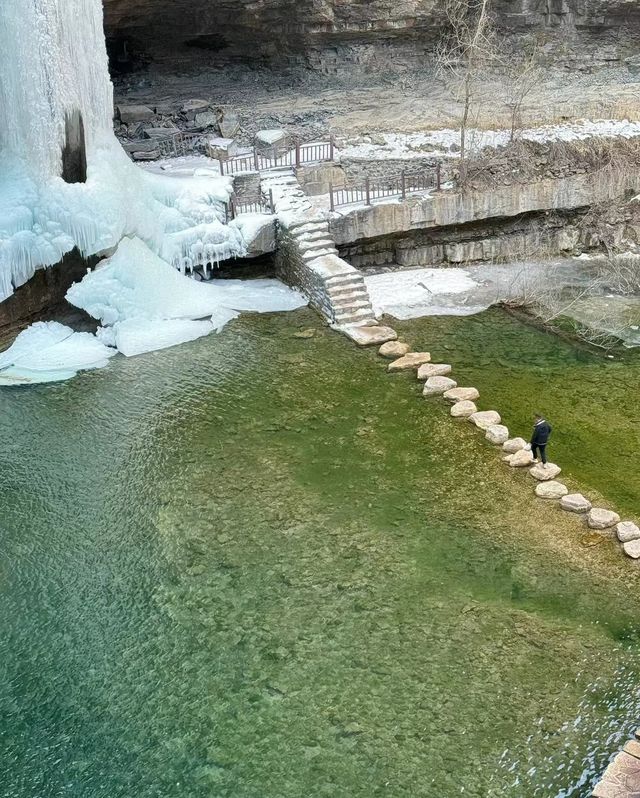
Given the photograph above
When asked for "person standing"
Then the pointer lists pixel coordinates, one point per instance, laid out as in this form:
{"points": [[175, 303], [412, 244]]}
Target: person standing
{"points": [[540, 438]]}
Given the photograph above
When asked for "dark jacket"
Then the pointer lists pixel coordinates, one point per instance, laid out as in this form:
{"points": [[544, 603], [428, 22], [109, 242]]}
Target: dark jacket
{"points": [[541, 433]]}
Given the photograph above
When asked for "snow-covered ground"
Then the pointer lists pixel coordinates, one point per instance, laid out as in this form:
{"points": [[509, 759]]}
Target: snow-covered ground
{"points": [[414, 293], [439, 143]]}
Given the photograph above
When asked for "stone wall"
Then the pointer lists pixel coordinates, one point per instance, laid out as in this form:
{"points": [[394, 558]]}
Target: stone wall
{"points": [[450, 208], [292, 270]]}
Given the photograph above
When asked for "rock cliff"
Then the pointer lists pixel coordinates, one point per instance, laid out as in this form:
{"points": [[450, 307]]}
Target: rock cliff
{"points": [[327, 34]]}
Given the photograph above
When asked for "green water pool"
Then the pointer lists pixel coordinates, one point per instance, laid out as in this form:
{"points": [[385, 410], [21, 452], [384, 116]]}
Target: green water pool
{"points": [[258, 566]]}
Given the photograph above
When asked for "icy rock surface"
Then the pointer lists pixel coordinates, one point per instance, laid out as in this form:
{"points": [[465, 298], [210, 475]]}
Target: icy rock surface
{"points": [[144, 304], [49, 352]]}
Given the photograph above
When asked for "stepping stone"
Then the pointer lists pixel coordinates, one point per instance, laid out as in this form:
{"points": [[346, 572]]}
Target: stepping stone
{"points": [[600, 518], [427, 370], [393, 349], [544, 472], [463, 409], [436, 386], [626, 531], [619, 778], [409, 361], [485, 419], [632, 549], [497, 434], [632, 747], [551, 490], [520, 459], [575, 503], [514, 445], [462, 395], [369, 335]]}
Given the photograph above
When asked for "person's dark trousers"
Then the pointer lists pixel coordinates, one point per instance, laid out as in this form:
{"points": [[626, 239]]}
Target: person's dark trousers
{"points": [[543, 451]]}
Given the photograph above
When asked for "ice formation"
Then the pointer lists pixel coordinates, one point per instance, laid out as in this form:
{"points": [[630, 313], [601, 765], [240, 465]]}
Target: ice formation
{"points": [[53, 65], [48, 352], [53, 62], [145, 304]]}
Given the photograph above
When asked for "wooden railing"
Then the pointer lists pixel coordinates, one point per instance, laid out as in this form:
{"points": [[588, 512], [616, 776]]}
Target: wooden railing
{"points": [[181, 144], [263, 205], [372, 190], [315, 152]]}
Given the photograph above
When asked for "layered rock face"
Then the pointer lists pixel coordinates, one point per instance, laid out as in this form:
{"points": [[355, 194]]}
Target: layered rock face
{"points": [[327, 34]]}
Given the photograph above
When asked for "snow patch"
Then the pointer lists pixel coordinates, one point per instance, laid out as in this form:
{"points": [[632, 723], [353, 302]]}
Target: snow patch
{"points": [[418, 292]]}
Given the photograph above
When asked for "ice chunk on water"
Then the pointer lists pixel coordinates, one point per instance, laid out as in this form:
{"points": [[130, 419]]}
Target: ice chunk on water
{"points": [[137, 336], [49, 351]]}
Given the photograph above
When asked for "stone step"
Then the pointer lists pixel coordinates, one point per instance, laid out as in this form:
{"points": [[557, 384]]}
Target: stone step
{"points": [[348, 317], [355, 292], [322, 233], [313, 246], [351, 307], [339, 281], [309, 224], [309, 257]]}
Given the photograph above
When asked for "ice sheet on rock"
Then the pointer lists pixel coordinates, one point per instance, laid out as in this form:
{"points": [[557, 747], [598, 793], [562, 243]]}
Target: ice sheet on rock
{"points": [[414, 293], [137, 336], [48, 352], [260, 296]]}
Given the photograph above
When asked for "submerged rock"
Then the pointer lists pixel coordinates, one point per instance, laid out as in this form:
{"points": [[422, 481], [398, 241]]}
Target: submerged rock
{"points": [[427, 370], [627, 531], [551, 490], [520, 459], [462, 395], [409, 361], [393, 349], [632, 548], [544, 471], [436, 386], [497, 434], [463, 409], [599, 518], [575, 503], [514, 445], [485, 419]]}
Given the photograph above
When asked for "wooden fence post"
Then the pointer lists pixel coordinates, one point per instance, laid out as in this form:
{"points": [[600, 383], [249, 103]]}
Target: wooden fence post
{"points": [[367, 188], [221, 162], [255, 158], [271, 203], [438, 176], [297, 155], [331, 205], [331, 147], [404, 186]]}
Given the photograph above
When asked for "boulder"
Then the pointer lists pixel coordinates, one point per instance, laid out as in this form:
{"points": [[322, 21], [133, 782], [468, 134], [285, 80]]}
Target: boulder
{"points": [[545, 471], [229, 125], [192, 108], [436, 386], [599, 518], [393, 349], [520, 459], [135, 113], [146, 155], [463, 409], [632, 548], [462, 395], [514, 445], [497, 434], [575, 503], [409, 361], [485, 419], [272, 143], [427, 370], [627, 531], [551, 490], [206, 119]]}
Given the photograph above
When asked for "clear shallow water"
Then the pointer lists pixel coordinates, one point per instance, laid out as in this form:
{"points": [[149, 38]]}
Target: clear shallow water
{"points": [[257, 565]]}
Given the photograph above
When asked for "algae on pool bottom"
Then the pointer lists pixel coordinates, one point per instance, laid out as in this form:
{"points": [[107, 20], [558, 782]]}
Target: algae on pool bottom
{"points": [[258, 565]]}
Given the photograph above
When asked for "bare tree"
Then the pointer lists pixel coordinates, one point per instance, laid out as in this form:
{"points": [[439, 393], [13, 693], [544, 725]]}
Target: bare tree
{"points": [[523, 73], [467, 52]]}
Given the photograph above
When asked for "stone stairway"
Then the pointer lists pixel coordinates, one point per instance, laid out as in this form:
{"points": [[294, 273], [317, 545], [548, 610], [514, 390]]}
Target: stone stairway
{"points": [[308, 257]]}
